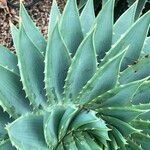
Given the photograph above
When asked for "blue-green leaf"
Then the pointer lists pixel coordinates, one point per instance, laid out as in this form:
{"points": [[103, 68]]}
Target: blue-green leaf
{"points": [[120, 139], [51, 126], [146, 48], [81, 142], [82, 3], [31, 65], [104, 29], [142, 106], [6, 145], [12, 96], [83, 118], [93, 145], [4, 119], [82, 68], [30, 28], [142, 125], [69, 142], [54, 16], [8, 60], [140, 7], [57, 62], [103, 80], [26, 132], [65, 121], [125, 114], [124, 22], [113, 144], [87, 17], [124, 128], [133, 145], [15, 35], [142, 95], [70, 26], [145, 116], [119, 96], [137, 71], [98, 125], [139, 30], [142, 139]]}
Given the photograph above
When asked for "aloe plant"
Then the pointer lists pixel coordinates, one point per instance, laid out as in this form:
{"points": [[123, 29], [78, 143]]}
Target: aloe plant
{"points": [[86, 88]]}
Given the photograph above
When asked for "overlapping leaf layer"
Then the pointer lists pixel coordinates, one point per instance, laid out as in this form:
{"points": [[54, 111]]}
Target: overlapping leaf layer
{"points": [[86, 88]]}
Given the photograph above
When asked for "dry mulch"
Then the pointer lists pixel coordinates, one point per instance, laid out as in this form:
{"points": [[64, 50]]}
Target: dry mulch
{"points": [[39, 13]]}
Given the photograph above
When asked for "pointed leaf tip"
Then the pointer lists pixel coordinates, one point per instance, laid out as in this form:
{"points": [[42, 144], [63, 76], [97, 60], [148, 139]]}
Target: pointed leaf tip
{"points": [[98, 83], [82, 68], [29, 27], [54, 16], [87, 17], [104, 30], [70, 26], [57, 62]]}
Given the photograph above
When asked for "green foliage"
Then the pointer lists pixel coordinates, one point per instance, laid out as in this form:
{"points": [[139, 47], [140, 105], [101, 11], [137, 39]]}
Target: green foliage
{"points": [[120, 5], [86, 88]]}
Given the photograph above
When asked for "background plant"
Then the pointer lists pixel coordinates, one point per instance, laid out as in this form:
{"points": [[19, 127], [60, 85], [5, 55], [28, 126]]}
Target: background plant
{"points": [[87, 87], [120, 6]]}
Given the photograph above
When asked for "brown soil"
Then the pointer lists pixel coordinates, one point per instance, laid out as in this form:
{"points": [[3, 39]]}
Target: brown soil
{"points": [[39, 13]]}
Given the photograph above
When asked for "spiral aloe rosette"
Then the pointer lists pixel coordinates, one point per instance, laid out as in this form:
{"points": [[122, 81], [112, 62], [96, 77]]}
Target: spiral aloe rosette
{"points": [[86, 88]]}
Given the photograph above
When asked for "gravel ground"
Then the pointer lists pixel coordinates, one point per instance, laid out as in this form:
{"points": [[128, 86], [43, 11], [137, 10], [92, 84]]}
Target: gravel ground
{"points": [[39, 13]]}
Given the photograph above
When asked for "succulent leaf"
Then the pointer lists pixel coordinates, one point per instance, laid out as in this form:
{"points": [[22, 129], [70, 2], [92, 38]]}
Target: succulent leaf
{"points": [[97, 85], [30, 28], [87, 17], [4, 119], [142, 140], [127, 39], [145, 116], [122, 126], [51, 126], [125, 114], [57, 62], [11, 63], [133, 145], [12, 96], [82, 68], [93, 144], [104, 30], [31, 65], [142, 95], [146, 48], [137, 71], [6, 145], [81, 142], [140, 6], [142, 125], [70, 26], [15, 35], [120, 140], [70, 142], [54, 16], [142, 106], [124, 23], [119, 96], [65, 121], [32, 138]]}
